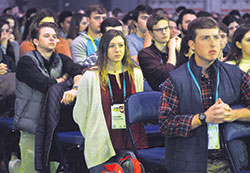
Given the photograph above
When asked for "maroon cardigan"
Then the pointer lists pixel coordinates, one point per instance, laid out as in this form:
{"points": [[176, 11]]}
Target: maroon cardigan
{"points": [[119, 138]]}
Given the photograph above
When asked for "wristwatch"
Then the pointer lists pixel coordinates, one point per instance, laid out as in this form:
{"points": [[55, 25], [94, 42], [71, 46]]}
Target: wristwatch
{"points": [[202, 118], [75, 87]]}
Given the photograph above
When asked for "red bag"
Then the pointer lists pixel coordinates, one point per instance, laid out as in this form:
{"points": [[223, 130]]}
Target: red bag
{"points": [[113, 168], [127, 163], [130, 164]]}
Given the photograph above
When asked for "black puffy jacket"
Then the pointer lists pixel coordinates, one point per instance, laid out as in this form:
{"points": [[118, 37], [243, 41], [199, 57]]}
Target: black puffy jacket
{"points": [[52, 119]]}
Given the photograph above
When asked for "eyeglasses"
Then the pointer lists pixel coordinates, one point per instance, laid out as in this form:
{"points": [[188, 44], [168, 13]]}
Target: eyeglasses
{"points": [[161, 29]]}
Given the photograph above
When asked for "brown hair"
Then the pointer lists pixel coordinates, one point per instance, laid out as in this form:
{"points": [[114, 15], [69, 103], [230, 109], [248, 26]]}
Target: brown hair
{"points": [[155, 18], [102, 61], [200, 23], [95, 8]]}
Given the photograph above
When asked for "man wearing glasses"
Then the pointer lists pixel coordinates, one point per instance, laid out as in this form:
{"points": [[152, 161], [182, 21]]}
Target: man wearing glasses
{"points": [[87, 42], [159, 59]]}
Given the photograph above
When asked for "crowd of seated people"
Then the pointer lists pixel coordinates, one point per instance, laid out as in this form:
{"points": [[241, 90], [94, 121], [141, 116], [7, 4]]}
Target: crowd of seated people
{"points": [[98, 59]]}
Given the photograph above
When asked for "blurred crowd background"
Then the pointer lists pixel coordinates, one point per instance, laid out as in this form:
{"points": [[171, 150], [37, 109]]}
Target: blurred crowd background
{"points": [[222, 7]]}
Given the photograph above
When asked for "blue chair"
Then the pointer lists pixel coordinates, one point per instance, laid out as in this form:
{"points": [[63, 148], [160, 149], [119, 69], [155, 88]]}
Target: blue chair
{"points": [[7, 123], [232, 134], [154, 135], [73, 140], [146, 86], [143, 107]]}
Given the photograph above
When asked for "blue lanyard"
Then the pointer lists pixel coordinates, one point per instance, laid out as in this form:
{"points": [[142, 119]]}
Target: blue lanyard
{"points": [[198, 86], [124, 87], [139, 40], [160, 57]]}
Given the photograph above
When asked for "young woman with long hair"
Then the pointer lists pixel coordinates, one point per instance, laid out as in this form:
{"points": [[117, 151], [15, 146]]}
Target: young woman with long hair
{"points": [[8, 43], [240, 53], [102, 90], [78, 24], [14, 27]]}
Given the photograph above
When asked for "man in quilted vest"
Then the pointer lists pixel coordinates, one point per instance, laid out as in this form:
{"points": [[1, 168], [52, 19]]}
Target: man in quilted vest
{"points": [[196, 98], [36, 72]]}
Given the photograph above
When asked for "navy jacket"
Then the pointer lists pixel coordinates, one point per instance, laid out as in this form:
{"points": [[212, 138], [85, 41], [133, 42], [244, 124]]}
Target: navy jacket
{"points": [[189, 154]]}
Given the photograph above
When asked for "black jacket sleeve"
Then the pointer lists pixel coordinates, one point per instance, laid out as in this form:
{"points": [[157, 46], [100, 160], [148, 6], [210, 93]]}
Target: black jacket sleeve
{"points": [[70, 67], [28, 72]]}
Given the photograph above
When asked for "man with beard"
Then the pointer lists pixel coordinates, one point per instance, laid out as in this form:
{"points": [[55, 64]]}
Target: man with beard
{"points": [[186, 17]]}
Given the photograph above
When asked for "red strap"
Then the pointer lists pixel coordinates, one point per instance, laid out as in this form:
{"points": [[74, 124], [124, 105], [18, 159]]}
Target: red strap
{"points": [[137, 165], [113, 168], [135, 162], [125, 158]]}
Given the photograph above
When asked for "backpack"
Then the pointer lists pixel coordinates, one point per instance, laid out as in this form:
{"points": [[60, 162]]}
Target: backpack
{"points": [[126, 163], [130, 164], [112, 168]]}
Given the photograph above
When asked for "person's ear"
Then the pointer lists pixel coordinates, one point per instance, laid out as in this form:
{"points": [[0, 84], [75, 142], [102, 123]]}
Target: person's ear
{"points": [[35, 42], [238, 44], [191, 44]]}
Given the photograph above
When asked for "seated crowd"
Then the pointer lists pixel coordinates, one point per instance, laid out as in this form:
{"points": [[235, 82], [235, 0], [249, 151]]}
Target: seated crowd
{"points": [[199, 61]]}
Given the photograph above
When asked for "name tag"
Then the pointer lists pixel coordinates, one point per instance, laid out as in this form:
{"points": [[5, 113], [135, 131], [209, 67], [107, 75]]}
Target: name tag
{"points": [[213, 136], [118, 116]]}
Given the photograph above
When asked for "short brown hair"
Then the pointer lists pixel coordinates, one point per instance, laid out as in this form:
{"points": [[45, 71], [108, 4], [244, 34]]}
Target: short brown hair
{"points": [[200, 23], [155, 18], [95, 8], [36, 30]]}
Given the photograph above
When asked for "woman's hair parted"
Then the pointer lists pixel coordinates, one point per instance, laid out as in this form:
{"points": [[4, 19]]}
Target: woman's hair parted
{"points": [[103, 58]]}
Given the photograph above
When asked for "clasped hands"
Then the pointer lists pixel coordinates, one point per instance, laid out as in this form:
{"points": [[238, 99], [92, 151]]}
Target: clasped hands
{"points": [[219, 112]]}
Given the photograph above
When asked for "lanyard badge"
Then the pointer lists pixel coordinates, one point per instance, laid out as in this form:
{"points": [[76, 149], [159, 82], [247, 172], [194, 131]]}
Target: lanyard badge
{"points": [[212, 129], [118, 116], [117, 110], [213, 136]]}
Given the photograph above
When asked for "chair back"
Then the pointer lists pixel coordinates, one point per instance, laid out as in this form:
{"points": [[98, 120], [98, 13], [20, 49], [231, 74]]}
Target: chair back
{"points": [[142, 106], [235, 148], [237, 129], [146, 86]]}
